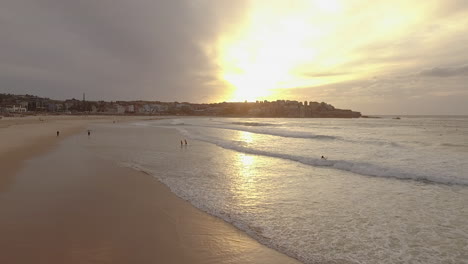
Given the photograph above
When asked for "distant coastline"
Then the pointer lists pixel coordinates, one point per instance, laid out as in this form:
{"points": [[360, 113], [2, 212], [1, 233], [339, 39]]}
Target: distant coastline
{"points": [[11, 104]]}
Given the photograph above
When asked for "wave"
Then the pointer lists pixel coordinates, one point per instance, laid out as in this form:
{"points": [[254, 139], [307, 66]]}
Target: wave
{"points": [[257, 128], [279, 133], [303, 135], [453, 145], [362, 168], [253, 231], [177, 122], [252, 124], [253, 127]]}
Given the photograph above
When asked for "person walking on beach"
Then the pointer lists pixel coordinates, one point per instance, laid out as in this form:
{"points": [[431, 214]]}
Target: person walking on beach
{"points": [[181, 143], [89, 133], [58, 133], [185, 142]]}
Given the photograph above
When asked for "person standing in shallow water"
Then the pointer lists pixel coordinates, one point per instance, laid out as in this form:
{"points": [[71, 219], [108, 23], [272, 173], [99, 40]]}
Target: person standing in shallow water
{"points": [[58, 133]]}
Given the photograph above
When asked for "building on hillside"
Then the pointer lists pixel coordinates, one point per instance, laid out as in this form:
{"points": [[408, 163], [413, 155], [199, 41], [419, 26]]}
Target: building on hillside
{"points": [[24, 104], [120, 109], [130, 109], [16, 109]]}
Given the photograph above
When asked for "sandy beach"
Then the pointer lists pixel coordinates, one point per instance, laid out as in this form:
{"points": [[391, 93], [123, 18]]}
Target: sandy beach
{"points": [[62, 205], [26, 137]]}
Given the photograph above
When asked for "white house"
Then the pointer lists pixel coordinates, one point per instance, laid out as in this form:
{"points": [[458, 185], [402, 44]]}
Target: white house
{"points": [[16, 109], [130, 108], [120, 109]]}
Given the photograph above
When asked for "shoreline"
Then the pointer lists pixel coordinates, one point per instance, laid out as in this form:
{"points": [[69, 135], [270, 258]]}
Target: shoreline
{"points": [[27, 137], [87, 209]]}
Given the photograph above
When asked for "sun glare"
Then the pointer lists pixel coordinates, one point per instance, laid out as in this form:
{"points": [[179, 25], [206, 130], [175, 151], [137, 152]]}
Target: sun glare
{"points": [[276, 39], [303, 43]]}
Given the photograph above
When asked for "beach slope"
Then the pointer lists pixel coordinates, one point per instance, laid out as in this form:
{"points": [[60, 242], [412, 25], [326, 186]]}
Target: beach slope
{"points": [[68, 206]]}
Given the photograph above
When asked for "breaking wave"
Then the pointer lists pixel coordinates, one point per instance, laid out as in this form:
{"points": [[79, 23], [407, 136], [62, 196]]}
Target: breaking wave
{"points": [[362, 168], [252, 124], [275, 132]]}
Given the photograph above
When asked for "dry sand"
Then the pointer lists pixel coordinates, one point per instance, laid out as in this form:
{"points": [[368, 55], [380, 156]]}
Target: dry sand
{"points": [[67, 206]]}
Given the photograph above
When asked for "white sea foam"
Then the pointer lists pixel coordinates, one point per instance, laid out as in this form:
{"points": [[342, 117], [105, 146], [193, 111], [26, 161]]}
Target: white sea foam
{"points": [[286, 134], [363, 168], [275, 132], [253, 124], [281, 193], [177, 122], [272, 130]]}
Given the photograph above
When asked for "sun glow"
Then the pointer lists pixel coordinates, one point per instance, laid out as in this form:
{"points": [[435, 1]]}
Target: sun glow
{"points": [[276, 40], [305, 43]]}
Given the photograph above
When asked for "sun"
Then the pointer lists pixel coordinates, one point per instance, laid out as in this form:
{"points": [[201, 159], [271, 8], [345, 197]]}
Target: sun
{"points": [[265, 53], [262, 61], [280, 46], [250, 86]]}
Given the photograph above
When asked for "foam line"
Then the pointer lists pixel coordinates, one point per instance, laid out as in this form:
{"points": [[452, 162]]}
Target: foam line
{"points": [[361, 168]]}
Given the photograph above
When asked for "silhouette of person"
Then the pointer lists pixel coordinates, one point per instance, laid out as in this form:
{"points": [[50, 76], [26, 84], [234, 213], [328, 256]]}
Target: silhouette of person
{"points": [[89, 133], [181, 143], [185, 141], [58, 133]]}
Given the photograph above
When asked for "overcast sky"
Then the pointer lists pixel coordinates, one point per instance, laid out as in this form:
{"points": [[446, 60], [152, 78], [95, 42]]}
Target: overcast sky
{"points": [[377, 57]]}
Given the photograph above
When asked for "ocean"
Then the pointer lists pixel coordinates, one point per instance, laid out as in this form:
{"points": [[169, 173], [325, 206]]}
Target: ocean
{"points": [[389, 190]]}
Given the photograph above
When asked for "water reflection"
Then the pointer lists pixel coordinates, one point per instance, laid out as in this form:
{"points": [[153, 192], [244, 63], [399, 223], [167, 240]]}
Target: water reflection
{"points": [[246, 137], [246, 185], [247, 162]]}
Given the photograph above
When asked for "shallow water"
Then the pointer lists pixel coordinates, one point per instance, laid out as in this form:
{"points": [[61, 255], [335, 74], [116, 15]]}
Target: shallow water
{"points": [[391, 191]]}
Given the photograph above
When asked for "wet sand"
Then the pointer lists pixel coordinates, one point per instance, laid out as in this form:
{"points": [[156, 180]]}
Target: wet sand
{"points": [[68, 206]]}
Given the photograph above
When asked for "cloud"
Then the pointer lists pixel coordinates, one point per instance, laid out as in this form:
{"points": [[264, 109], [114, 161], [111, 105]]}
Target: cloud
{"points": [[446, 71], [322, 74], [111, 49], [408, 93], [167, 49]]}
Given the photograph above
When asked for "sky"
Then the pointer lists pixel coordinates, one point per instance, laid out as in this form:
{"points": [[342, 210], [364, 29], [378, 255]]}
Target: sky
{"points": [[376, 57]]}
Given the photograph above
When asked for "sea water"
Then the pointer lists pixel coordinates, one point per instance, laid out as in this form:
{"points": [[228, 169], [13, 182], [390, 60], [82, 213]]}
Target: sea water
{"points": [[389, 190]]}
